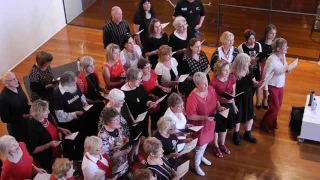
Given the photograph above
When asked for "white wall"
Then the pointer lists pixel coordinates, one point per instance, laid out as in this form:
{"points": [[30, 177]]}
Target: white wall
{"points": [[75, 7], [24, 26]]}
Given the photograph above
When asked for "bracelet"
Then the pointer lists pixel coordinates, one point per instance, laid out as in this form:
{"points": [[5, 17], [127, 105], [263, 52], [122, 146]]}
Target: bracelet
{"points": [[46, 146]]}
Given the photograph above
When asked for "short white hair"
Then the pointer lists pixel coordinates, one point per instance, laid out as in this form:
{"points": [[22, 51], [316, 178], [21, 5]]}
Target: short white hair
{"points": [[92, 143], [178, 21], [165, 124], [85, 62], [115, 8], [198, 76], [116, 95]]}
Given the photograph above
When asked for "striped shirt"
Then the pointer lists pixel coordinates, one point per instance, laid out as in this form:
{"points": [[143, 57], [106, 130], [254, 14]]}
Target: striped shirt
{"points": [[162, 172], [112, 32]]}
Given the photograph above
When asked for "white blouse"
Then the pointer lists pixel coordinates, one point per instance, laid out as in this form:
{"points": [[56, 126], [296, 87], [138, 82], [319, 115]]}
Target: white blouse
{"points": [[223, 56], [273, 63], [180, 123], [133, 63], [164, 72], [90, 169]]}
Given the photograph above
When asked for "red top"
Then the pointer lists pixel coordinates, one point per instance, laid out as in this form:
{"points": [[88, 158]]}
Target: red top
{"points": [[197, 105], [115, 71], [221, 87], [54, 135], [82, 81], [54, 178], [20, 170], [151, 83]]}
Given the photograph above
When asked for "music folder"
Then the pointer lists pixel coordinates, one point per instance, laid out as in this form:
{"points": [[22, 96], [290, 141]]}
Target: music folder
{"points": [[229, 96], [131, 142]]}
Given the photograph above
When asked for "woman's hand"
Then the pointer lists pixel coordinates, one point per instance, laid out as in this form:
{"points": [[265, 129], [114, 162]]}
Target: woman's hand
{"points": [[254, 59], [189, 125], [208, 118], [174, 155], [166, 90], [258, 84], [187, 140], [50, 86], [54, 144], [65, 131], [221, 108], [155, 51], [235, 108], [152, 105], [126, 151], [174, 83], [39, 170]]}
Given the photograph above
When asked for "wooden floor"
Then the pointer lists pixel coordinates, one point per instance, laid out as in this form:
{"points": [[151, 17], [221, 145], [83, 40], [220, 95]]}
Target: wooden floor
{"points": [[295, 28], [276, 156]]}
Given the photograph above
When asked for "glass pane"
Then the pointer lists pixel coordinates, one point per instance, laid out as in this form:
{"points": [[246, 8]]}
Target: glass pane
{"points": [[305, 6], [250, 3], [237, 20], [87, 13], [303, 41]]}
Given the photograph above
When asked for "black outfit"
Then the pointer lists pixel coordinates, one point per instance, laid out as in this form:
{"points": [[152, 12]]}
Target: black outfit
{"points": [[113, 32], [12, 107], [163, 172], [191, 11], [215, 56], [266, 51], [137, 102], [190, 66], [69, 103], [154, 44], [93, 93], [144, 23], [222, 124], [38, 80], [38, 135], [177, 44], [244, 102], [169, 146], [252, 52]]}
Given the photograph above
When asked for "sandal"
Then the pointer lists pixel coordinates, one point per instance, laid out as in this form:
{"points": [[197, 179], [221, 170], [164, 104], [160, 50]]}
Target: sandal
{"points": [[218, 152], [224, 149], [139, 159]]}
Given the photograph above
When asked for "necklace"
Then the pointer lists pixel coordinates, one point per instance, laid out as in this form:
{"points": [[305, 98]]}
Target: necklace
{"points": [[226, 54], [88, 79], [45, 123]]}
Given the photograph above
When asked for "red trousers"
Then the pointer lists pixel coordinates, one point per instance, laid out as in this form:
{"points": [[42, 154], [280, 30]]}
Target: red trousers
{"points": [[269, 120]]}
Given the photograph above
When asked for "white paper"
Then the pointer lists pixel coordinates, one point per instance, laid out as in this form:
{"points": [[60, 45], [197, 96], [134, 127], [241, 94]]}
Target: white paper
{"points": [[180, 147], [139, 32], [202, 41], [183, 77], [207, 71], [293, 65], [266, 80], [72, 136], [182, 137], [189, 146], [163, 25], [195, 128], [44, 176], [173, 53], [58, 78], [87, 107], [161, 99], [224, 113], [122, 167], [137, 136], [183, 169], [141, 117]]}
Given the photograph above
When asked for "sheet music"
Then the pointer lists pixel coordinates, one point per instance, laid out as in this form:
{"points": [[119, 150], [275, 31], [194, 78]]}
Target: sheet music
{"points": [[163, 25], [183, 169], [43, 176], [183, 77], [141, 117], [202, 42], [161, 99], [137, 136], [189, 146], [72, 136], [173, 53], [137, 33], [87, 107], [266, 80], [224, 113], [180, 147], [207, 71], [293, 65], [195, 128]]}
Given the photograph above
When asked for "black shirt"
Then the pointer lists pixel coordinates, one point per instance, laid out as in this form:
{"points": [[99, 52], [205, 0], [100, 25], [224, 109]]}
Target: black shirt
{"points": [[154, 44], [169, 145], [93, 92], [266, 51], [113, 32], [144, 24], [68, 102], [191, 11]]}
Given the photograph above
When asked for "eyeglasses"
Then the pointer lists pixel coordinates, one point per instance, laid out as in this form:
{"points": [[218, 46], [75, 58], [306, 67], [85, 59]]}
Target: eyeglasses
{"points": [[14, 79], [184, 25]]}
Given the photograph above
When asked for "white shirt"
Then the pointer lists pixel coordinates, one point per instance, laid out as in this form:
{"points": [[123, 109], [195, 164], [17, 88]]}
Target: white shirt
{"points": [[273, 63], [164, 72], [133, 63], [180, 123], [90, 169], [223, 56]]}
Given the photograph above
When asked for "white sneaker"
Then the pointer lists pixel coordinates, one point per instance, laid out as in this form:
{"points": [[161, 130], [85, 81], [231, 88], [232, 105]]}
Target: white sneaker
{"points": [[205, 161], [199, 171]]}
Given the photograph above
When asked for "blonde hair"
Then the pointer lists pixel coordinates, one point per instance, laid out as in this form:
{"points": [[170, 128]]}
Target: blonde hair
{"points": [[116, 95], [109, 50], [5, 142], [178, 21], [226, 36], [142, 174], [278, 43], [152, 145], [165, 124], [164, 50], [37, 108], [85, 61], [61, 167], [241, 60], [92, 143], [218, 66], [198, 76]]}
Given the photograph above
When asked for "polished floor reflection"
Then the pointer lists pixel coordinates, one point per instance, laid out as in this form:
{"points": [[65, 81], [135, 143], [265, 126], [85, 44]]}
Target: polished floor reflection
{"points": [[277, 156]]}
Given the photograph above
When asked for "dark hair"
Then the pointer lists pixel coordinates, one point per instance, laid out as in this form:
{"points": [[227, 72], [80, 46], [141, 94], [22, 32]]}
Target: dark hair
{"points": [[142, 63], [43, 57], [142, 12], [108, 114], [191, 42], [248, 33], [124, 40], [269, 28]]}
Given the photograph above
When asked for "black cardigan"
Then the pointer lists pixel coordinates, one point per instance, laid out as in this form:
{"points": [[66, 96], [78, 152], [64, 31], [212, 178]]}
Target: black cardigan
{"points": [[38, 135]]}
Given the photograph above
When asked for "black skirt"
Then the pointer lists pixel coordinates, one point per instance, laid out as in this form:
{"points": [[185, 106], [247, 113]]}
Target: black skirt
{"points": [[244, 104]]}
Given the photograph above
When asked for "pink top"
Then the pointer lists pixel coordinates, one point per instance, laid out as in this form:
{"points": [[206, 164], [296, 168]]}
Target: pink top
{"points": [[197, 105], [151, 83], [221, 87], [115, 71]]}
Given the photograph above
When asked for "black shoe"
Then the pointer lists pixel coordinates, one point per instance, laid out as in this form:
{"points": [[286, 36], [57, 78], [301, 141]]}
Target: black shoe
{"points": [[236, 138], [247, 136], [76, 174], [265, 107], [258, 106]]}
